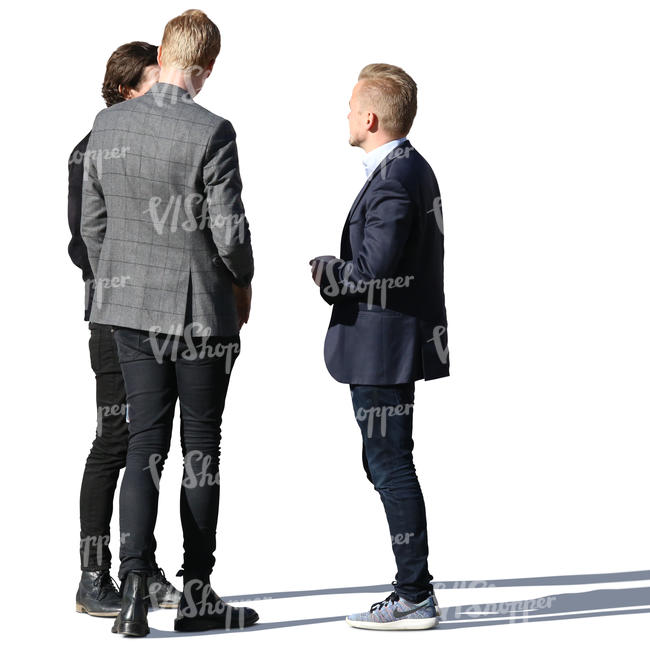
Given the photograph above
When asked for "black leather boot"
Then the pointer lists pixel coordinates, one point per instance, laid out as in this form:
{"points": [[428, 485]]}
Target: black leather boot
{"points": [[201, 609], [162, 593], [97, 594], [132, 619]]}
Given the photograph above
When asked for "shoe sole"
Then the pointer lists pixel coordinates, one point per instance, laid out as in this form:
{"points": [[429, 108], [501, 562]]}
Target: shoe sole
{"points": [[131, 629], [192, 625], [405, 624], [165, 606], [82, 610]]}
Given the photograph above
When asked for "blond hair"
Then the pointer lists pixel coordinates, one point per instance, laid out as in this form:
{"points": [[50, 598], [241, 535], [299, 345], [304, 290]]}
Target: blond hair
{"points": [[190, 40], [392, 94]]}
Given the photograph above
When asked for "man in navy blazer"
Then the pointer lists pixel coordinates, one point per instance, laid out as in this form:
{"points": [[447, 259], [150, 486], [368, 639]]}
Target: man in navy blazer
{"points": [[389, 324]]}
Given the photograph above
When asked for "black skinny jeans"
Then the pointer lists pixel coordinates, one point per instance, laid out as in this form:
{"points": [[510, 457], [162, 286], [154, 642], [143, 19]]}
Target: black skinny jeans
{"points": [[157, 370], [107, 455]]}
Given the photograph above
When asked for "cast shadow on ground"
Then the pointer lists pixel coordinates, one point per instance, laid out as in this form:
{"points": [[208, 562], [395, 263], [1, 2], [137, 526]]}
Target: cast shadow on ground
{"points": [[549, 607]]}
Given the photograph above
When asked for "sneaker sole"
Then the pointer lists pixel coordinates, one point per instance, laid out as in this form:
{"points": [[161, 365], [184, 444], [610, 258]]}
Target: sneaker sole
{"points": [[405, 624], [82, 610]]}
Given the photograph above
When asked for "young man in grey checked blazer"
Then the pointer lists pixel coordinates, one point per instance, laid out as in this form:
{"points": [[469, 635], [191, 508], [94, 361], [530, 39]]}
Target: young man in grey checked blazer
{"points": [[170, 250]]}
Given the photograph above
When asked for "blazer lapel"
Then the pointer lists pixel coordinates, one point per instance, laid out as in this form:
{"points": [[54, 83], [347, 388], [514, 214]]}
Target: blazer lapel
{"points": [[360, 196], [345, 235]]}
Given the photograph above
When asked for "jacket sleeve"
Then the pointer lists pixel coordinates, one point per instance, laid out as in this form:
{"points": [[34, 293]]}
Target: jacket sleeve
{"points": [[388, 220], [225, 210], [93, 207], [76, 247]]}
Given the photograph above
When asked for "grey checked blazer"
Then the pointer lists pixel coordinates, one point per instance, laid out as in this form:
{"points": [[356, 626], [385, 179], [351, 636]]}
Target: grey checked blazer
{"points": [[162, 216]]}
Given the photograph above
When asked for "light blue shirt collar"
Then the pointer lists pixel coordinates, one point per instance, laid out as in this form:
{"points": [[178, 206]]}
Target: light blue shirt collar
{"points": [[373, 158]]}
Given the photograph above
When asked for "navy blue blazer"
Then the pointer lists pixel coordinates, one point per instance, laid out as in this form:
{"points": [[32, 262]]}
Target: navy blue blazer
{"points": [[389, 322]]}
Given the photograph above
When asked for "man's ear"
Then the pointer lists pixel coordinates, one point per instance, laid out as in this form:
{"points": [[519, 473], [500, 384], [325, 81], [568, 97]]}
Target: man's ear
{"points": [[158, 57], [372, 122], [125, 92]]}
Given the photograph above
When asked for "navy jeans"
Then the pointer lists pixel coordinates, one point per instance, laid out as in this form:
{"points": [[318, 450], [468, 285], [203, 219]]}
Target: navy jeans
{"points": [[385, 417], [157, 371]]}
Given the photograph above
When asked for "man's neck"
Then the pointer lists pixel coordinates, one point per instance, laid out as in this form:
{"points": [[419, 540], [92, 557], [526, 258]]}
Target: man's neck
{"points": [[176, 77], [376, 142]]}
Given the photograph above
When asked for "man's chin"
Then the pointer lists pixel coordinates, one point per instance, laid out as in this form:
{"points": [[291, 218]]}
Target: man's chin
{"points": [[353, 143]]}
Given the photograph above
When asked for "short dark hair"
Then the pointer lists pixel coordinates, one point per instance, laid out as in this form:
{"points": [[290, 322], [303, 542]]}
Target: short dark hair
{"points": [[125, 67]]}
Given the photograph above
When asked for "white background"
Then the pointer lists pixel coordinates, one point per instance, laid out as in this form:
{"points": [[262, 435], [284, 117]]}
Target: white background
{"points": [[532, 456]]}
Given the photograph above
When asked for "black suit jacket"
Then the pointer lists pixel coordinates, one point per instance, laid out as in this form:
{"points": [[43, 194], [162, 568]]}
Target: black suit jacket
{"points": [[77, 248], [389, 322]]}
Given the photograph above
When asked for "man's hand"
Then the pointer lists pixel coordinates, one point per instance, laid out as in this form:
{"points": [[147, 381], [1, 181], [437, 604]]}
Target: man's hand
{"points": [[318, 266], [243, 296]]}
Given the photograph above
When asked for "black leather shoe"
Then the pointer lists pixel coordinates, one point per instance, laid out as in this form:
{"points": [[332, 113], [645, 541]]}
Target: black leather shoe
{"points": [[132, 619], [98, 595], [202, 609], [162, 593]]}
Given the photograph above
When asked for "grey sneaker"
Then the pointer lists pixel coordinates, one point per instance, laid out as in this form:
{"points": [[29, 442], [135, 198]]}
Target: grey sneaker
{"points": [[395, 613]]}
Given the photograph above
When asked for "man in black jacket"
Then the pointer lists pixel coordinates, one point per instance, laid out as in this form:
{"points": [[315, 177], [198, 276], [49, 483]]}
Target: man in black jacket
{"points": [[389, 324], [131, 70]]}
